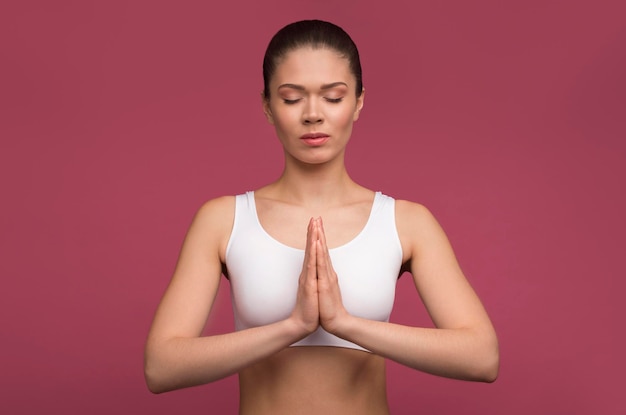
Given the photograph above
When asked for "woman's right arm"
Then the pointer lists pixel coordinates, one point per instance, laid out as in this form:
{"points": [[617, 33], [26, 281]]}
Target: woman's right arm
{"points": [[175, 355]]}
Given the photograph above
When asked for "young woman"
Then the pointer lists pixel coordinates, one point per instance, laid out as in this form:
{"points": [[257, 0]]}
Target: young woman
{"points": [[312, 260]]}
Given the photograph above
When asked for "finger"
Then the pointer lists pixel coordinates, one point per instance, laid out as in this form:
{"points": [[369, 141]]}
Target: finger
{"points": [[324, 247], [323, 265], [322, 235], [310, 254], [320, 257]]}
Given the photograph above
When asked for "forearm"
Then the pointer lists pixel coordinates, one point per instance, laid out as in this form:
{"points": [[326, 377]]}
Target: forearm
{"points": [[179, 362], [463, 353]]}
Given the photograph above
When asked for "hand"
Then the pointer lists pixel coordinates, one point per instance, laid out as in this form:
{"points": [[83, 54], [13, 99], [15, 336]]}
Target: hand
{"points": [[306, 311], [331, 307]]}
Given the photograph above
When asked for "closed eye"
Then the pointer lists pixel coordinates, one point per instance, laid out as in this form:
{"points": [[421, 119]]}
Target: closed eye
{"points": [[334, 100], [290, 101]]}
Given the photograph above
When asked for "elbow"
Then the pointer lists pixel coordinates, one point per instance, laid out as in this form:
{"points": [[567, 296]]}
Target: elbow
{"points": [[158, 383], [482, 362], [154, 381], [154, 384], [489, 372], [489, 366], [155, 376]]}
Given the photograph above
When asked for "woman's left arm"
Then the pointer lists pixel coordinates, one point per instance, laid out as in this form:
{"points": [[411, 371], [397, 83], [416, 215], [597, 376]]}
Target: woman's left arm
{"points": [[463, 345]]}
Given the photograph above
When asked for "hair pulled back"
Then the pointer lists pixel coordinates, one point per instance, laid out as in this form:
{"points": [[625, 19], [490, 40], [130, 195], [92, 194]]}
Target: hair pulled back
{"points": [[310, 33]]}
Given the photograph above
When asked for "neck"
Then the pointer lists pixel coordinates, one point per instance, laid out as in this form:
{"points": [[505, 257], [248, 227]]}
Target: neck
{"points": [[314, 185]]}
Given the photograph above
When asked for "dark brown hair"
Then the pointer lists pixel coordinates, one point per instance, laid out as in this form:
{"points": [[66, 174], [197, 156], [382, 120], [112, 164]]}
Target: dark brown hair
{"points": [[312, 33]]}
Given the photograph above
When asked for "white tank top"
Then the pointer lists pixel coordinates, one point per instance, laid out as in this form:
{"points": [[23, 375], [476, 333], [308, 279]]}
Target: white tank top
{"points": [[264, 273]]}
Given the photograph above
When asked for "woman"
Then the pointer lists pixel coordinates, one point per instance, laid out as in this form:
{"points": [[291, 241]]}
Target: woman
{"points": [[312, 302]]}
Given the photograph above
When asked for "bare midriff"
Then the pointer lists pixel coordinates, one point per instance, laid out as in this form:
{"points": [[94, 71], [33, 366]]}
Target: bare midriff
{"points": [[313, 380]]}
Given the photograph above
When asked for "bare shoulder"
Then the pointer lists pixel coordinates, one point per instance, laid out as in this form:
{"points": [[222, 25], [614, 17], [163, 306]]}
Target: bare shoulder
{"points": [[417, 227], [217, 208], [410, 214], [214, 219]]}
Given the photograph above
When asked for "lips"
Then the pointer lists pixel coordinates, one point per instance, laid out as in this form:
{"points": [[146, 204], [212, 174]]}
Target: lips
{"points": [[314, 135], [315, 139]]}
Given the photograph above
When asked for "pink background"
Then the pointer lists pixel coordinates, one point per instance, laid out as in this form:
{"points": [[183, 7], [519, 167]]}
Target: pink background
{"points": [[119, 118]]}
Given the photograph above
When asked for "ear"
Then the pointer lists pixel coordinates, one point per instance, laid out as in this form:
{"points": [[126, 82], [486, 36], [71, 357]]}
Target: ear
{"points": [[266, 108], [359, 105]]}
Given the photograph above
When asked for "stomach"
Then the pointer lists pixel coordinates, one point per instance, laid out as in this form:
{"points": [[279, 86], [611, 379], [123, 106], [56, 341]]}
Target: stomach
{"points": [[315, 380]]}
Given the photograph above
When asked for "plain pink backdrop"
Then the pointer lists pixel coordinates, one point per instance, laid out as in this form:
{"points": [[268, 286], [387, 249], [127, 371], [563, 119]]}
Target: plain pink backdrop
{"points": [[119, 118]]}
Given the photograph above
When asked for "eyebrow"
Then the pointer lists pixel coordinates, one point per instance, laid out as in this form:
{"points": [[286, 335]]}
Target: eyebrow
{"points": [[323, 87]]}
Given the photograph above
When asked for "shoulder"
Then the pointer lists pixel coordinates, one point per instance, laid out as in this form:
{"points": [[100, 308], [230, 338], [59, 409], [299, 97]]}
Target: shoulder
{"points": [[217, 208], [410, 214], [216, 213], [417, 226], [214, 220]]}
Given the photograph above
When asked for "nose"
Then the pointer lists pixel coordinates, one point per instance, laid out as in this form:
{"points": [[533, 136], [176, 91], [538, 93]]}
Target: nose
{"points": [[312, 113]]}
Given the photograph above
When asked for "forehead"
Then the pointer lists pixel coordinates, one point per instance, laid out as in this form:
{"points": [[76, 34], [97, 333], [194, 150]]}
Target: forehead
{"points": [[304, 66]]}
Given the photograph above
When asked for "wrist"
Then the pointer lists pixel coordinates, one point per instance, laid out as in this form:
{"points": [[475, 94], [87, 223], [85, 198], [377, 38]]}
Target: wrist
{"points": [[340, 324], [299, 329]]}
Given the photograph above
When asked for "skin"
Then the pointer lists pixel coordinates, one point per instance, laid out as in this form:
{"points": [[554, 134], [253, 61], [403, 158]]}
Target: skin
{"points": [[313, 91]]}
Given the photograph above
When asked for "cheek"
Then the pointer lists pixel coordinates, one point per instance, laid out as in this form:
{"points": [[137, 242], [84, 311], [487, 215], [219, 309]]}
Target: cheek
{"points": [[344, 118], [280, 125], [284, 127], [282, 119]]}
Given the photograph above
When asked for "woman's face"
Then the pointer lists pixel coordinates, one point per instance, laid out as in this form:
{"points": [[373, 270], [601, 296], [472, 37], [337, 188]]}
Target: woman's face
{"points": [[313, 105]]}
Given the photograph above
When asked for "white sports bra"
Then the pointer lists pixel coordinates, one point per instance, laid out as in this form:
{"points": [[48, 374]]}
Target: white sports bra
{"points": [[264, 273]]}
